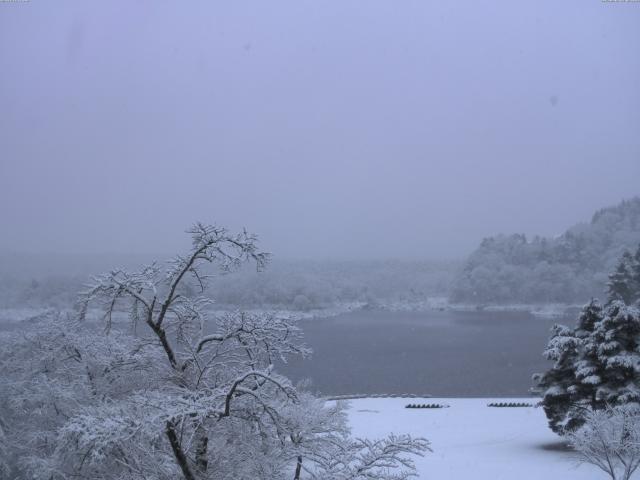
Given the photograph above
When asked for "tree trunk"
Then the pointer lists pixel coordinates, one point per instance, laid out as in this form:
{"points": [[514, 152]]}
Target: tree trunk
{"points": [[181, 458], [162, 336], [298, 469], [202, 443]]}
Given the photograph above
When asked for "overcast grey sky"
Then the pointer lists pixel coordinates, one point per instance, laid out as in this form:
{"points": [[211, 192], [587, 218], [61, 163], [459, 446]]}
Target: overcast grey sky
{"points": [[331, 128]]}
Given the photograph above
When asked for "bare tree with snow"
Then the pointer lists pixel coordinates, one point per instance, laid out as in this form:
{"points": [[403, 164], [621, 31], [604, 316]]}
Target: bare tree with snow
{"points": [[324, 449], [610, 440], [190, 394]]}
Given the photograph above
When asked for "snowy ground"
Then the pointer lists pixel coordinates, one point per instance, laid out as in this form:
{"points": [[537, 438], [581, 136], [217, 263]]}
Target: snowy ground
{"points": [[471, 441]]}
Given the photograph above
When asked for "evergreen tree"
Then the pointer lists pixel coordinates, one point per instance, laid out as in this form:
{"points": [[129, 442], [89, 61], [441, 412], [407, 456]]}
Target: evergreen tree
{"points": [[596, 363], [620, 286], [556, 384], [588, 369], [635, 274], [570, 385], [616, 341]]}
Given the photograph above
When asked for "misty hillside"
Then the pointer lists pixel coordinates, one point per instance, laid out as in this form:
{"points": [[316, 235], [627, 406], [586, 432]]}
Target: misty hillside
{"points": [[570, 268]]}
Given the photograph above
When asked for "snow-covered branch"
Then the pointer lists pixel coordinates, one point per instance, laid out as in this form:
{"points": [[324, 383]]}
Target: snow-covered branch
{"points": [[610, 440]]}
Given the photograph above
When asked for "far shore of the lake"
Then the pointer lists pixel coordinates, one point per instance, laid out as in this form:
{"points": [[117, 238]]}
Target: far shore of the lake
{"points": [[550, 310]]}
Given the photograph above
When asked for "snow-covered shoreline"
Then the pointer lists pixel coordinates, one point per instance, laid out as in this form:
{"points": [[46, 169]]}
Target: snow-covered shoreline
{"points": [[554, 310], [12, 315]]}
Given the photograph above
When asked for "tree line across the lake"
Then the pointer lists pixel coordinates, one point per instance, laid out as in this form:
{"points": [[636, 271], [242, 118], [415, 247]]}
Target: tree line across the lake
{"points": [[301, 285], [505, 269]]}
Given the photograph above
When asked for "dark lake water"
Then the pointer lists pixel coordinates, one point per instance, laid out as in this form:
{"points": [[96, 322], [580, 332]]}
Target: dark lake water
{"points": [[441, 353]]}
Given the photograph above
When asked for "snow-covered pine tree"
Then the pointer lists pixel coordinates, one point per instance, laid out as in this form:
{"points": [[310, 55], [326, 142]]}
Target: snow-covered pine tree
{"points": [[616, 343], [597, 363], [557, 384], [621, 282], [570, 385], [589, 371], [635, 275]]}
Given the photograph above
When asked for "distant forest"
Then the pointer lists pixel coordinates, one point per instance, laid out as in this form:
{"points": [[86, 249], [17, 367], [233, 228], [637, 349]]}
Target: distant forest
{"points": [[570, 268], [295, 285], [505, 269]]}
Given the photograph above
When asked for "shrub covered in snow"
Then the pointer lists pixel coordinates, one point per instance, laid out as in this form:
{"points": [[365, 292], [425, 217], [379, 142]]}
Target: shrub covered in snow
{"points": [[610, 440]]}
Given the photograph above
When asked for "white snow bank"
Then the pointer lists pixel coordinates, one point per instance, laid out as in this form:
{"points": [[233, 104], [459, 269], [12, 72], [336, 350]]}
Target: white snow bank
{"points": [[471, 441]]}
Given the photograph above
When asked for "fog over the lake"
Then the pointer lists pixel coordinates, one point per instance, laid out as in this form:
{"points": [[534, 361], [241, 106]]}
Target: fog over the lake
{"points": [[332, 129]]}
